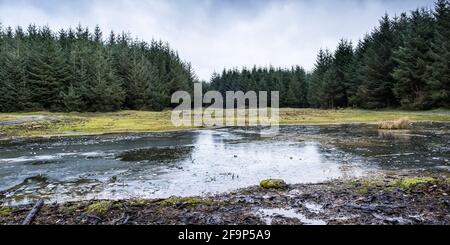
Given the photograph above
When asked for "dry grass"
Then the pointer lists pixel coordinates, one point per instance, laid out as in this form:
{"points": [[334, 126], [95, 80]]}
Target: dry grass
{"points": [[403, 123]]}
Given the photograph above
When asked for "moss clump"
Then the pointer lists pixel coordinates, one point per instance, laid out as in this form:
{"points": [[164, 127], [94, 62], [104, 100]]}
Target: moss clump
{"points": [[407, 183], [5, 211], [189, 201], [99, 208], [273, 184]]}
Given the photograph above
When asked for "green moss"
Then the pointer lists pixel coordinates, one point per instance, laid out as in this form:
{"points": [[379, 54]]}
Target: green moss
{"points": [[367, 185], [273, 184], [100, 207], [407, 183], [5, 211], [138, 202], [190, 201], [7, 118], [72, 207], [364, 186]]}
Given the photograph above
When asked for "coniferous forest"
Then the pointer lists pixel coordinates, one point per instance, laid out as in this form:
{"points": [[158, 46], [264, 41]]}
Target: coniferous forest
{"points": [[76, 70], [404, 62]]}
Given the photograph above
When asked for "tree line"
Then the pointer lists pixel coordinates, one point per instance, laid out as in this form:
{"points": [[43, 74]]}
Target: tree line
{"points": [[404, 62], [79, 70], [291, 83]]}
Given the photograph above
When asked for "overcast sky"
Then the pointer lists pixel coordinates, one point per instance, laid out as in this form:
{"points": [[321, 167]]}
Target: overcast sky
{"points": [[213, 34]]}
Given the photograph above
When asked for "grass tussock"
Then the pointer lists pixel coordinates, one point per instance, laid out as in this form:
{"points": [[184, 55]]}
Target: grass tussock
{"points": [[403, 123], [273, 184], [98, 208]]}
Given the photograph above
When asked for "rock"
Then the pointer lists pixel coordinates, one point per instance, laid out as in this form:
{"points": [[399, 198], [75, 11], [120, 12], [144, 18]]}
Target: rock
{"points": [[113, 179], [273, 184], [268, 197], [294, 193]]}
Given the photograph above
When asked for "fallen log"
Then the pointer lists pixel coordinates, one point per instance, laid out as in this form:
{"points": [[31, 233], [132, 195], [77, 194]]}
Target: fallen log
{"points": [[34, 211]]}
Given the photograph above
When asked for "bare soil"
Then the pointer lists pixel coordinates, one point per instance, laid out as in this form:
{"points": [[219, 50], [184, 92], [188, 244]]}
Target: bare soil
{"points": [[391, 200]]}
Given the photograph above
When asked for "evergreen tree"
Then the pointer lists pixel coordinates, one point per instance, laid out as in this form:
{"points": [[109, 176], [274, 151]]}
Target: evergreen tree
{"points": [[337, 78], [439, 69], [413, 57], [377, 66], [72, 100], [7, 83], [316, 83], [141, 80], [47, 72], [106, 87], [356, 76]]}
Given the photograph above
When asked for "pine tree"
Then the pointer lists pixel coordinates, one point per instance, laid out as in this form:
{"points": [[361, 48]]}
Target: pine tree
{"points": [[439, 70], [72, 100], [47, 73], [376, 90], [141, 79], [316, 83], [337, 77], [106, 87], [413, 57], [355, 76], [7, 83]]}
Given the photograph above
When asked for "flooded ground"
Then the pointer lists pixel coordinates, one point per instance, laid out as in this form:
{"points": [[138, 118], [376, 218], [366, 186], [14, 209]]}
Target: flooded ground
{"points": [[209, 161]]}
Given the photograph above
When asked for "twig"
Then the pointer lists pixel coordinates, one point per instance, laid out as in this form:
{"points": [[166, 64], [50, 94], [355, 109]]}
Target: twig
{"points": [[32, 214]]}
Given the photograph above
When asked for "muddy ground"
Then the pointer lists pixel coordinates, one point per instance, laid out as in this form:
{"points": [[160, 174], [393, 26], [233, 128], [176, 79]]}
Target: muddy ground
{"points": [[19, 120], [387, 200]]}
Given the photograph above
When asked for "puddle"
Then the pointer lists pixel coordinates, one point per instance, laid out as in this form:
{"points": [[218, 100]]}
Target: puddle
{"points": [[159, 165], [269, 214], [313, 207]]}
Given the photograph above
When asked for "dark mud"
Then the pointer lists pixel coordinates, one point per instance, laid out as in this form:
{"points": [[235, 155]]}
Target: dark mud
{"points": [[387, 200]]}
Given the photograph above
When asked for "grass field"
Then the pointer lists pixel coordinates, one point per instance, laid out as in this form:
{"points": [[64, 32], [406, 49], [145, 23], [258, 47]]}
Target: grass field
{"points": [[139, 121]]}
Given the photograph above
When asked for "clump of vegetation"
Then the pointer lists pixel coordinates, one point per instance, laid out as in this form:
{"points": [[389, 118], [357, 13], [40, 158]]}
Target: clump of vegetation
{"points": [[189, 201], [99, 208], [72, 207], [365, 186], [138, 202], [5, 211], [403, 123], [407, 183], [7, 118], [156, 154], [273, 184]]}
